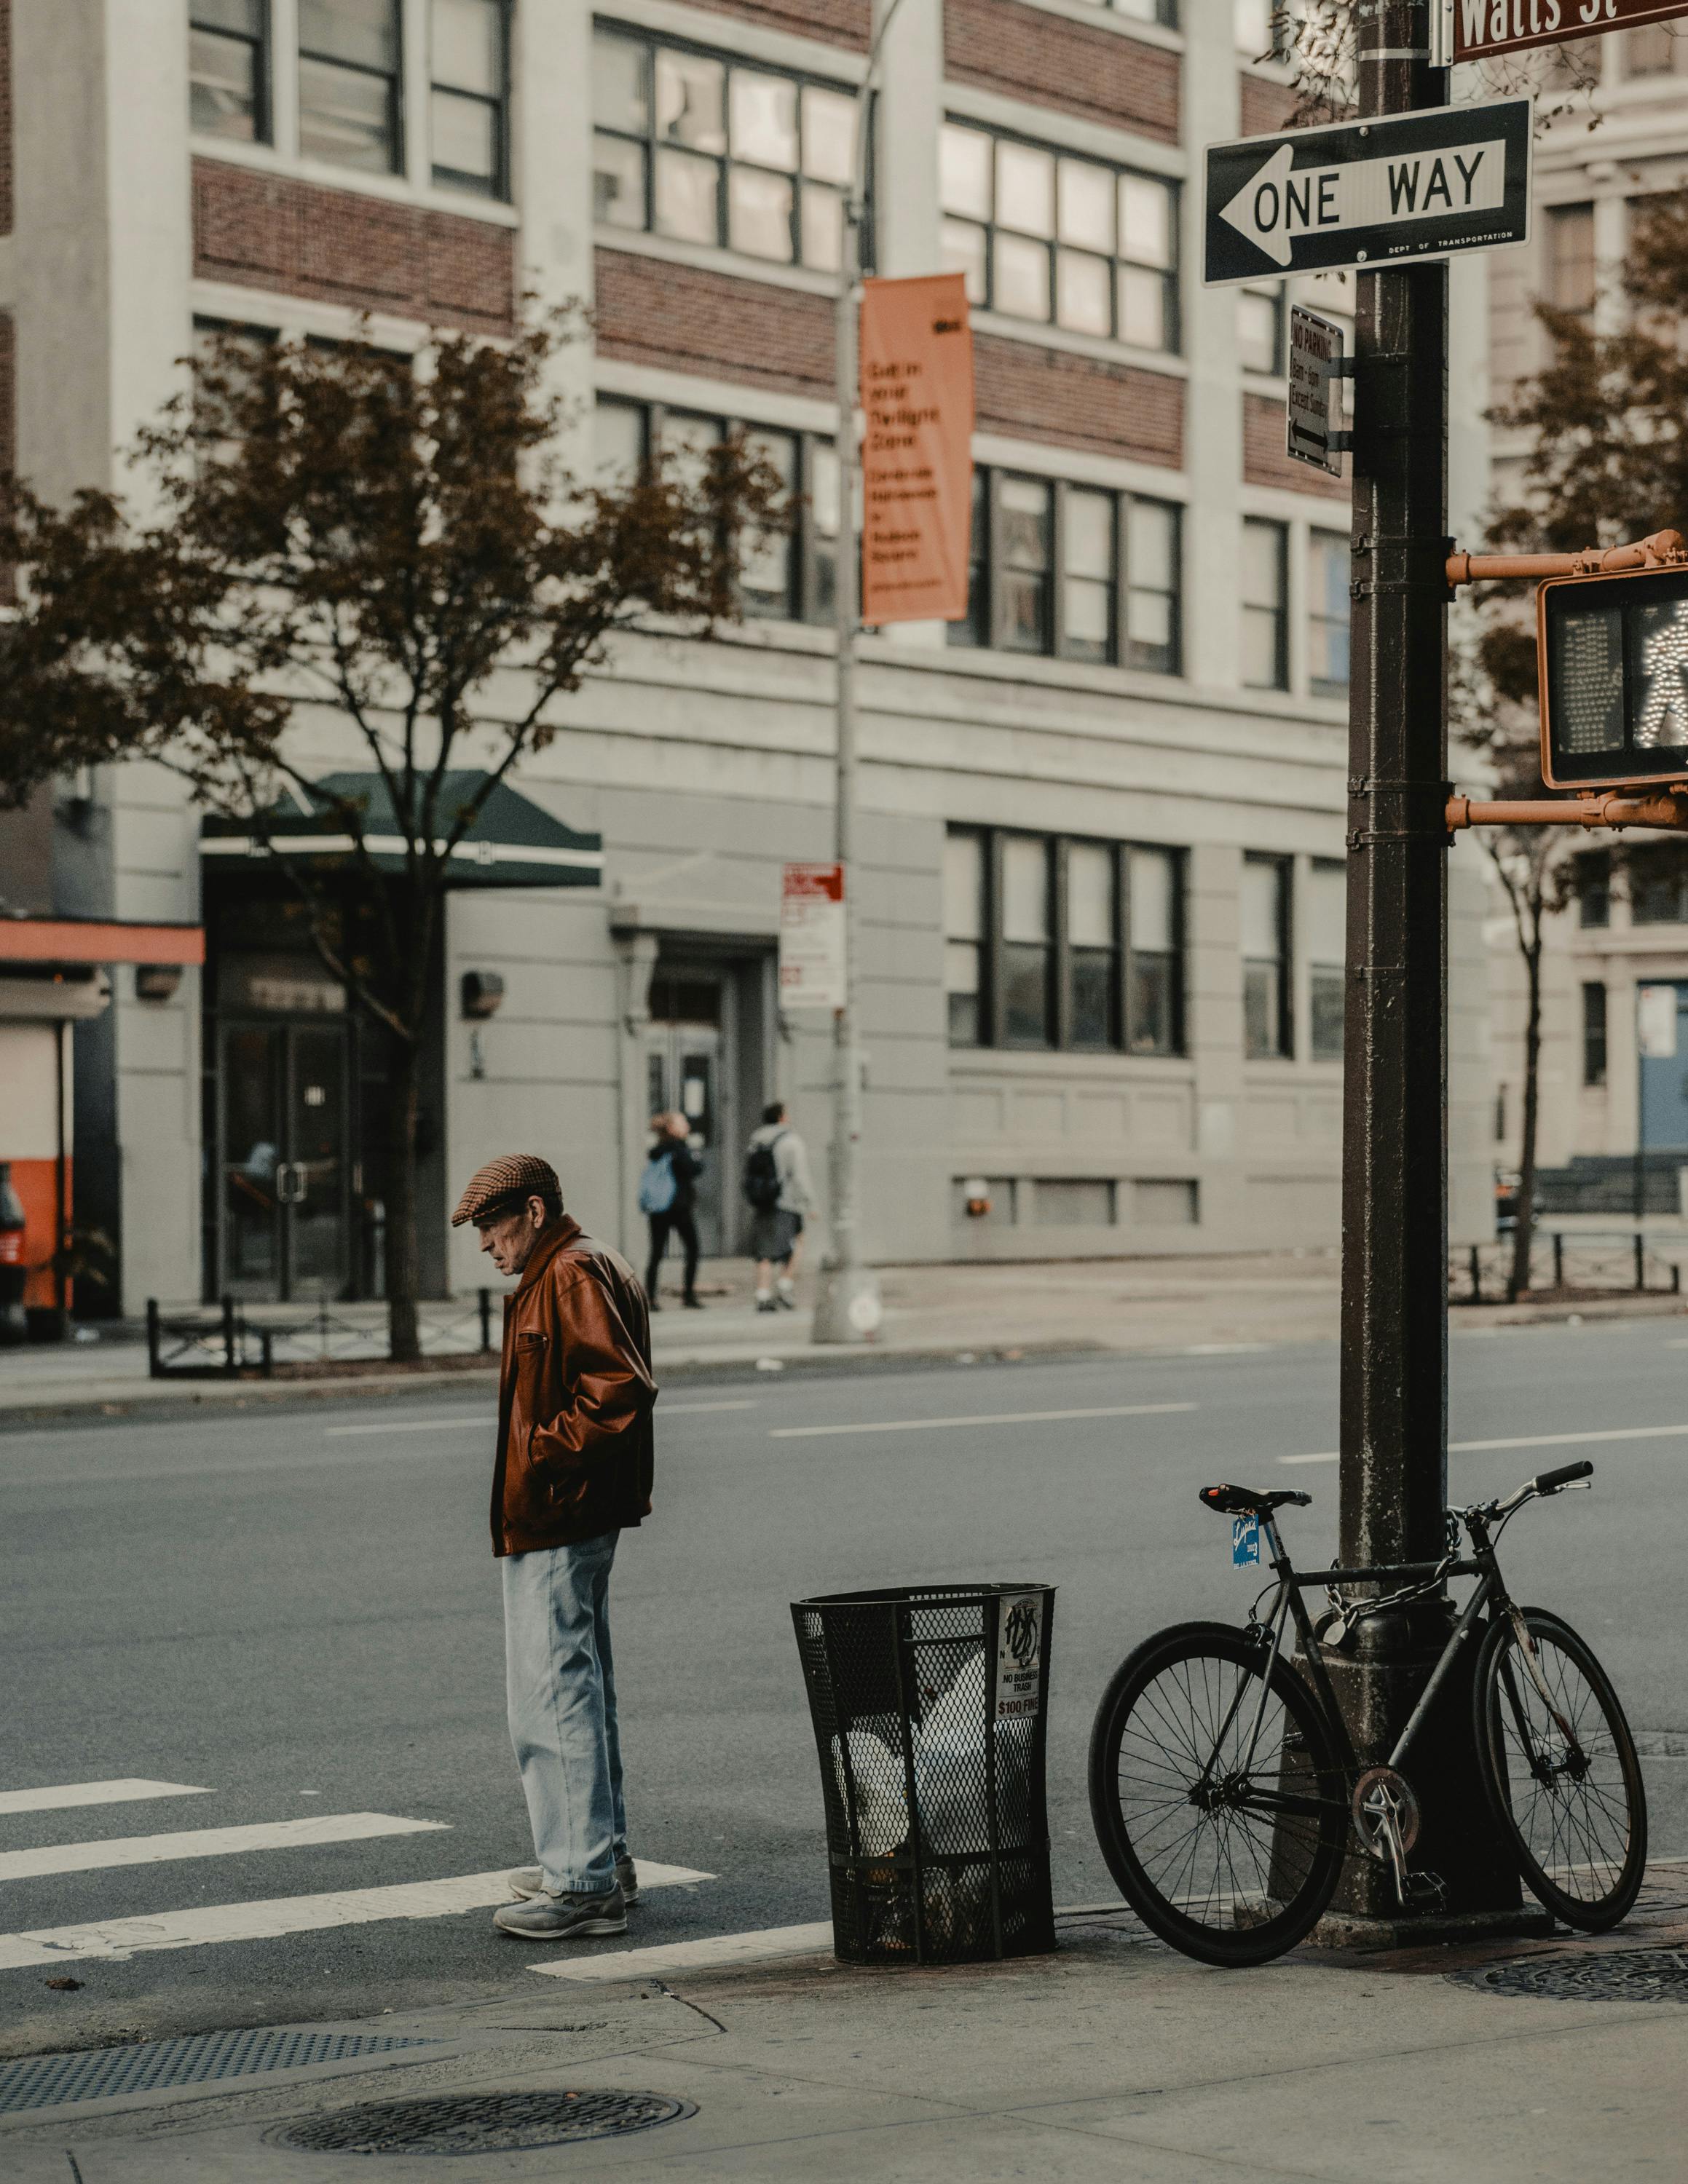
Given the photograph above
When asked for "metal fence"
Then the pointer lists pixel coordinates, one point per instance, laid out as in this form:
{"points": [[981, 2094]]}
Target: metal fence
{"points": [[1568, 1261], [225, 1342]]}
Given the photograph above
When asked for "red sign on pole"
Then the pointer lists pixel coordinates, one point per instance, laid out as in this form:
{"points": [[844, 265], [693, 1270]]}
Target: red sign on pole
{"points": [[1483, 30], [917, 460]]}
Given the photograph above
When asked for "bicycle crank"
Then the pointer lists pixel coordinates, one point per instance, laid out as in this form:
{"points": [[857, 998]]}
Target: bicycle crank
{"points": [[1387, 1820]]}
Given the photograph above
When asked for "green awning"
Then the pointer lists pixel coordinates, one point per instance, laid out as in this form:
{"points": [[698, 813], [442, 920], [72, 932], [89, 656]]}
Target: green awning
{"points": [[513, 843]]}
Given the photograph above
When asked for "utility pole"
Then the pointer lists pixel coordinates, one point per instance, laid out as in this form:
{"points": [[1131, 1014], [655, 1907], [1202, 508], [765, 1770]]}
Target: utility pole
{"points": [[1394, 1327], [847, 1307]]}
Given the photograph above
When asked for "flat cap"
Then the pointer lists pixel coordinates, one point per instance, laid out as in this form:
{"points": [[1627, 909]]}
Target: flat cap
{"points": [[504, 1184]]}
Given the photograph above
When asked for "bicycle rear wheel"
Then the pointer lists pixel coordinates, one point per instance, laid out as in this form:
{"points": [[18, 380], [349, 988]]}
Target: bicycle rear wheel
{"points": [[1573, 1805], [1231, 1863]]}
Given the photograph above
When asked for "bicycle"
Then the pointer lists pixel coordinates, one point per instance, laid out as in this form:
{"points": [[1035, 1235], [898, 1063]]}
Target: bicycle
{"points": [[1223, 1779]]}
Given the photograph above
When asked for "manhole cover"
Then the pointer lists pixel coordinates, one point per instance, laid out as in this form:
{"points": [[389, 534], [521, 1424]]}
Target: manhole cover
{"points": [[482, 2123], [1615, 1975]]}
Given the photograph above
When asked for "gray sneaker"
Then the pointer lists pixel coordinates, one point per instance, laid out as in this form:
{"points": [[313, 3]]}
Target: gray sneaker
{"points": [[548, 1918], [528, 1882]]}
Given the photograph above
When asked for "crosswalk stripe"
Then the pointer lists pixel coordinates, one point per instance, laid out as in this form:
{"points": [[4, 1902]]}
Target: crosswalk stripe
{"points": [[207, 1842], [59, 1797], [118, 1939], [706, 1955]]}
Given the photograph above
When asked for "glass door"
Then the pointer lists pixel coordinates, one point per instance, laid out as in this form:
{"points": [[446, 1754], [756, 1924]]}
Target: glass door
{"points": [[250, 1063], [684, 1054], [285, 1170], [314, 1199]]}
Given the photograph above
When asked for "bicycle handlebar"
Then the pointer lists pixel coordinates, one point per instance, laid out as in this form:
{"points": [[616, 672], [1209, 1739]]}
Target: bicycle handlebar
{"points": [[1544, 1482], [1552, 1482]]}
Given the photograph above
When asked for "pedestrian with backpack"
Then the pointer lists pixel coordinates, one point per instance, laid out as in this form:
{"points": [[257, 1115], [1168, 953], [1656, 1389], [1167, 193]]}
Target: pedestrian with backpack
{"points": [[668, 1198], [777, 1185]]}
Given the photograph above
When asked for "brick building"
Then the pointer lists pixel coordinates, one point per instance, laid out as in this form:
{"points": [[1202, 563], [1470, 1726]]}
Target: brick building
{"points": [[1101, 878]]}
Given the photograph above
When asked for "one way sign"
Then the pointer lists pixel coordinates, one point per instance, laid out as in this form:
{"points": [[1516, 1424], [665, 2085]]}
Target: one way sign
{"points": [[1368, 193]]}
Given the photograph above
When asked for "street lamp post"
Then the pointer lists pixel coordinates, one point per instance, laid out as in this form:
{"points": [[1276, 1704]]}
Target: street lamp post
{"points": [[847, 1307]]}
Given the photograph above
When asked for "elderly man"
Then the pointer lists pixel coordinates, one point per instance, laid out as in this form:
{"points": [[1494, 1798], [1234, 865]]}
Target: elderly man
{"points": [[572, 1469]]}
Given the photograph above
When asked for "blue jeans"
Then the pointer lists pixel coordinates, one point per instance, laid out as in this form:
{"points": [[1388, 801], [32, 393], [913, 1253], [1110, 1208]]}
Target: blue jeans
{"points": [[560, 1680]]}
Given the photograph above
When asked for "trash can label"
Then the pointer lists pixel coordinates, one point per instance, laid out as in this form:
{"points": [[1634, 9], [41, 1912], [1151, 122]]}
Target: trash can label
{"points": [[1020, 1648]]}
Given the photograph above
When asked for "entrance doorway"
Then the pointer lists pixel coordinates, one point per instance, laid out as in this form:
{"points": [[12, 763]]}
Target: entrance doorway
{"points": [[689, 1044], [285, 1186], [1664, 1086]]}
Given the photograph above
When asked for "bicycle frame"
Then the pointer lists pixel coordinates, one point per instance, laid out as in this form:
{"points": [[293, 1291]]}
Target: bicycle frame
{"points": [[1288, 1605]]}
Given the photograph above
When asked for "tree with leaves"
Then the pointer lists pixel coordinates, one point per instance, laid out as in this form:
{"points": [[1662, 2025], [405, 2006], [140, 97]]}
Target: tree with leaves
{"points": [[336, 529]]}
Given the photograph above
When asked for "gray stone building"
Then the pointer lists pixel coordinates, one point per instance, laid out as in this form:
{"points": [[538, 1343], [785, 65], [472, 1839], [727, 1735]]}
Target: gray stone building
{"points": [[1101, 875]]}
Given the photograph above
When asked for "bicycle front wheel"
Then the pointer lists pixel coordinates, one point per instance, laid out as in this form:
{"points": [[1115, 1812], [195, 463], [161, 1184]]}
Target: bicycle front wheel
{"points": [[1226, 1837], [1560, 1769]]}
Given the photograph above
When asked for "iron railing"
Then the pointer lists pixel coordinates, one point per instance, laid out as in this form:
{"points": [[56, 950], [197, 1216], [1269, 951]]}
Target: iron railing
{"points": [[1568, 1261], [226, 1342]]}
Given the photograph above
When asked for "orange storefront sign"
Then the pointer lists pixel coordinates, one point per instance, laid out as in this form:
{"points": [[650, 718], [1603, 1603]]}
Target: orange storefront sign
{"points": [[917, 455]]}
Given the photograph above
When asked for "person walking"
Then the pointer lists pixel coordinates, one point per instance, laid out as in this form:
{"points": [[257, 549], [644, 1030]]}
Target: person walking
{"points": [[777, 1184], [572, 1472], [668, 1198]]}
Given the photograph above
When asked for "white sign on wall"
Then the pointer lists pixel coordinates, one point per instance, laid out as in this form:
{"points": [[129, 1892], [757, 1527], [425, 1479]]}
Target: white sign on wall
{"points": [[811, 937], [1656, 1022]]}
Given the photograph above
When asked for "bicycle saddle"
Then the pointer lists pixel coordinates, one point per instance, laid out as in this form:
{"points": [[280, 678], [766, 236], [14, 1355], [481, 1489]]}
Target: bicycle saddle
{"points": [[1240, 1500]]}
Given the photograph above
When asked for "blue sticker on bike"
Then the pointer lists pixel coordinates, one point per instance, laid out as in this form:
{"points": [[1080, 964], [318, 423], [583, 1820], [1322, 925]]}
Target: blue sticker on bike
{"points": [[1245, 1541]]}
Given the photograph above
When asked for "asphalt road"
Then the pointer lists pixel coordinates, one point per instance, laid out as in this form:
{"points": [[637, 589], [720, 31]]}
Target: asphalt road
{"points": [[295, 1612]]}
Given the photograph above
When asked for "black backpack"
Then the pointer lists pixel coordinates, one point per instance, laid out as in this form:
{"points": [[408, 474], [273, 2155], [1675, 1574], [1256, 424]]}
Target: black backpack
{"points": [[762, 1176]]}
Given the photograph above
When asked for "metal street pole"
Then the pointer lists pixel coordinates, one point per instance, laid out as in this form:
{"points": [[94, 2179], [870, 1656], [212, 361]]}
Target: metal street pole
{"points": [[1394, 1398], [847, 1307]]}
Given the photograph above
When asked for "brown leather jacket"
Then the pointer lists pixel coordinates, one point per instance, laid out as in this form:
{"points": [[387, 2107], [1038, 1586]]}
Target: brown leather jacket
{"points": [[575, 1397]]}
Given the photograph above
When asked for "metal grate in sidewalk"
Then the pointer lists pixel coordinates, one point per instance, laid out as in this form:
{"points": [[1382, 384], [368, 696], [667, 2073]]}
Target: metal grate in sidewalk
{"points": [[98, 2074]]}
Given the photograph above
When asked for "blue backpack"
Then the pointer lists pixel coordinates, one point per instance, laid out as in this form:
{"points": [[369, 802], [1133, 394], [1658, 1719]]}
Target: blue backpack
{"points": [[656, 1186]]}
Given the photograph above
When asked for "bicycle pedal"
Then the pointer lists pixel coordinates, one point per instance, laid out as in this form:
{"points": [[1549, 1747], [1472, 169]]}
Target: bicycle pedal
{"points": [[1427, 1892]]}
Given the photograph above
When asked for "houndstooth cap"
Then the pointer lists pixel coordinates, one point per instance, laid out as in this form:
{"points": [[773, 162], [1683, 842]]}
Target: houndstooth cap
{"points": [[502, 1185]]}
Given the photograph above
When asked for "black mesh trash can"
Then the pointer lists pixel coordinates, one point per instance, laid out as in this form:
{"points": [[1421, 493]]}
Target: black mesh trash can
{"points": [[930, 1708]]}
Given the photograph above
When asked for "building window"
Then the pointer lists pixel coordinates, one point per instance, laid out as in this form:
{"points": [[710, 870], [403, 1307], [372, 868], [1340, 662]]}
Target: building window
{"points": [[963, 936], [1028, 941], [1266, 610], [1592, 877], [349, 83], [1051, 942], [1260, 328], [1265, 958], [1570, 257], [1327, 922], [229, 69], [714, 150], [1154, 951], [1659, 889], [470, 114], [1593, 1034], [1263, 29], [1651, 51], [1163, 11], [1064, 241], [1071, 571], [787, 574], [1327, 614]]}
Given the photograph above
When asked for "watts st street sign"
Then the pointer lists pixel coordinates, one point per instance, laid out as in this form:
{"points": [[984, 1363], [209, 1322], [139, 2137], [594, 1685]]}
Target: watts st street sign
{"points": [[1368, 193], [1479, 30]]}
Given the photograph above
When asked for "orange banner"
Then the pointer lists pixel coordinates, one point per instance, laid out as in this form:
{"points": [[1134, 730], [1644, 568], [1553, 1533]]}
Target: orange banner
{"points": [[917, 457]]}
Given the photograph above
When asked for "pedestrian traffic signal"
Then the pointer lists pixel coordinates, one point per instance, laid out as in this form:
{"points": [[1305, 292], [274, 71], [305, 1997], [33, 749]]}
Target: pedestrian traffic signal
{"points": [[1612, 654]]}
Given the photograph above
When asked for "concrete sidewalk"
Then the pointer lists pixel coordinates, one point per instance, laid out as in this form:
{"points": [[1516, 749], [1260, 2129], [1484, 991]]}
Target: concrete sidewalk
{"points": [[1113, 2059], [1123, 1304]]}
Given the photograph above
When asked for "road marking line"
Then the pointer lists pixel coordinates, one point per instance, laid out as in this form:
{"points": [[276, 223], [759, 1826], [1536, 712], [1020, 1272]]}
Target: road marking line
{"points": [[673, 1410], [708, 1955], [1530, 1441], [1223, 1349], [60, 1796], [208, 1842], [995, 1418], [459, 1422], [118, 1939]]}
